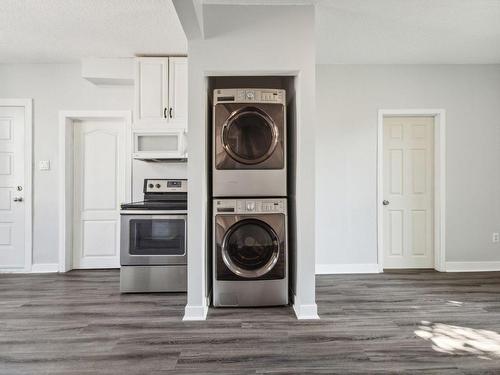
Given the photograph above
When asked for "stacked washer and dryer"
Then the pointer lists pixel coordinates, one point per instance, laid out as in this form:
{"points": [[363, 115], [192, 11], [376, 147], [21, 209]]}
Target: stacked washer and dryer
{"points": [[249, 176]]}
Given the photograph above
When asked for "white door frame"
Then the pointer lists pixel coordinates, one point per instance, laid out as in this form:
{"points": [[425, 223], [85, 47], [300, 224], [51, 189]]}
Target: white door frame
{"points": [[439, 181], [27, 104], [66, 166]]}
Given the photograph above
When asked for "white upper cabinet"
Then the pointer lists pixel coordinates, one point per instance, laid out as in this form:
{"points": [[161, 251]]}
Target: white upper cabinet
{"points": [[161, 91], [177, 89], [151, 89]]}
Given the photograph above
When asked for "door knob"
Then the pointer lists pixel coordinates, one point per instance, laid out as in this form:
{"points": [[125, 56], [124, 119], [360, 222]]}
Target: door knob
{"points": [[385, 202], [18, 199]]}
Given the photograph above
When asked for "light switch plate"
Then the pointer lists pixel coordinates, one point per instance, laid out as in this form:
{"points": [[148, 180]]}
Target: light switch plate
{"points": [[44, 165], [495, 237]]}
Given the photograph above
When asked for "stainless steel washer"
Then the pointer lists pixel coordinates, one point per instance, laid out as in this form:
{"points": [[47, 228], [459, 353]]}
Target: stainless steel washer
{"points": [[250, 259], [249, 142]]}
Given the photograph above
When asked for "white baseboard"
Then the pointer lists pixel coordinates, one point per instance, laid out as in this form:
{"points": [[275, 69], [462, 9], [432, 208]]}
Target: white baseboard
{"points": [[472, 266], [14, 270], [305, 312], [329, 269], [44, 267], [193, 313]]}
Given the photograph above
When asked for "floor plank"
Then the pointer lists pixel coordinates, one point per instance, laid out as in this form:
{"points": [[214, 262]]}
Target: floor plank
{"points": [[415, 322]]}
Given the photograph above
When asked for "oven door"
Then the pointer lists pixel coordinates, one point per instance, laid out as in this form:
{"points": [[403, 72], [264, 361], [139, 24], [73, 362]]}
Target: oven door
{"points": [[153, 239]]}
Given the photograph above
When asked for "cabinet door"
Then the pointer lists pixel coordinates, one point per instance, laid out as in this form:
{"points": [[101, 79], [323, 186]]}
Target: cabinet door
{"points": [[152, 90], [178, 94]]}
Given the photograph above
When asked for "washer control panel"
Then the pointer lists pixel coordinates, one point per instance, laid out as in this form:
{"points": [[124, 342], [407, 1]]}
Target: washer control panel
{"points": [[250, 206]]}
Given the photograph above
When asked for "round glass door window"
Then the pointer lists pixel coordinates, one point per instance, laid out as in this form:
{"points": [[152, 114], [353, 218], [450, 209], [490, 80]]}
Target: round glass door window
{"points": [[249, 135], [250, 248]]}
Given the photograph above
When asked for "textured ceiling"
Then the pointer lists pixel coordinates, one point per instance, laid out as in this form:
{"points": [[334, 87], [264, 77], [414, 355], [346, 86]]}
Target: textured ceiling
{"points": [[348, 31], [68, 30]]}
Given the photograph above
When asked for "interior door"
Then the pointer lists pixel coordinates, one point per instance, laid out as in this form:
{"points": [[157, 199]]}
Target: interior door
{"points": [[178, 90], [100, 187], [12, 176], [408, 192], [152, 90]]}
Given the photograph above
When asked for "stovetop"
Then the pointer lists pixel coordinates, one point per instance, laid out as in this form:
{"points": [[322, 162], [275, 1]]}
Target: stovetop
{"points": [[156, 205]]}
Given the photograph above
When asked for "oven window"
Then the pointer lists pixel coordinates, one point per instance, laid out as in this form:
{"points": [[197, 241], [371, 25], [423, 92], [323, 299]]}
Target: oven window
{"points": [[157, 237]]}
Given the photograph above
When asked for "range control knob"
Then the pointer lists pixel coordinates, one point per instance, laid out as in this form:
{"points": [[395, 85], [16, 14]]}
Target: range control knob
{"points": [[151, 186], [158, 186], [250, 95]]}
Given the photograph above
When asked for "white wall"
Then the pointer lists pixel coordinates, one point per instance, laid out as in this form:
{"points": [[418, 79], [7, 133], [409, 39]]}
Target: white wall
{"points": [[348, 98], [143, 169], [252, 40], [54, 87]]}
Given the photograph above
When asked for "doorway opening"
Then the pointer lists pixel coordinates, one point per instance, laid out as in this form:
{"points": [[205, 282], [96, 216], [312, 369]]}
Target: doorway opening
{"points": [[16, 173], [95, 177], [411, 189]]}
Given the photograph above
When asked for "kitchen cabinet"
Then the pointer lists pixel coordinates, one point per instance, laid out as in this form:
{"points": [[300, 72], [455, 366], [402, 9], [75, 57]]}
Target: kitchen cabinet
{"points": [[177, 90], [161, 92]]}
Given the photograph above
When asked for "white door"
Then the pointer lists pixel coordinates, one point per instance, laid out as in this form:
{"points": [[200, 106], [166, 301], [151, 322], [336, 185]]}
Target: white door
{"points": [[178, 90], [408, 192], [152, 90], [99, 186], [12, 187]]}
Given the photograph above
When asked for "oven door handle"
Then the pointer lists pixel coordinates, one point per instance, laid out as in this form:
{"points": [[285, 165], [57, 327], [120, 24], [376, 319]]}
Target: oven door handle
{"points": [[167, 216]]}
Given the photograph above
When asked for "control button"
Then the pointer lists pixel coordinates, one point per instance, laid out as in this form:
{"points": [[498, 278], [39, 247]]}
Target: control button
{"points": [[158, 186], [250, 95], [250, 206], [151, 186], [268, 96]]}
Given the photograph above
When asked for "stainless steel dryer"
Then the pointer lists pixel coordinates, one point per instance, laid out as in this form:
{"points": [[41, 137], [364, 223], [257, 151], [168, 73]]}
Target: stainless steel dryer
{"points": [[250, 259], [249, 143]]}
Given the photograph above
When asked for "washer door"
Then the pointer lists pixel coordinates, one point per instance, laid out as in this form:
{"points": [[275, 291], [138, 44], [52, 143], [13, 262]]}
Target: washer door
{"points": [[249, 135], [250, 248]]}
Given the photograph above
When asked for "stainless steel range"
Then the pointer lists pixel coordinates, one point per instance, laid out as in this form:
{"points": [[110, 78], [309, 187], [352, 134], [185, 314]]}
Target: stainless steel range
{"points": [[153, 248]]}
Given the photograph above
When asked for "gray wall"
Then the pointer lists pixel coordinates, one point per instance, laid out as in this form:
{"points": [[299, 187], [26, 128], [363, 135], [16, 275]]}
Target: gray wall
{"points": [[348, 98], [54, 87]]}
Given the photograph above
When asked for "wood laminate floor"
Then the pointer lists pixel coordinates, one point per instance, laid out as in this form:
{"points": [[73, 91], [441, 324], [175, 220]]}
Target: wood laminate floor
{"points": [[408, 322]]}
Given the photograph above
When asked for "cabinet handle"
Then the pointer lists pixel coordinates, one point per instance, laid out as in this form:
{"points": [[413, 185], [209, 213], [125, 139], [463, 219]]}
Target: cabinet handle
{"points": [[170, 112], [165, 112]]}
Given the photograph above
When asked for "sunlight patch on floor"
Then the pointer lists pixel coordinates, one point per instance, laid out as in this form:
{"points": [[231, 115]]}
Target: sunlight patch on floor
{"points": [[460, 340]]}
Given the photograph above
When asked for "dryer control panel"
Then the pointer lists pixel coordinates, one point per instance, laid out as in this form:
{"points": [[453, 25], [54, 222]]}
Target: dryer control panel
{"points": [[249, 96], [250, 206]]}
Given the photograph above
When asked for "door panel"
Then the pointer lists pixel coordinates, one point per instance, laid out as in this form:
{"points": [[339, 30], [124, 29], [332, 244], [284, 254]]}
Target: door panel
{"points": [[152, 90], [100, 187], [408, 187], [12, 174], [178, 89]]}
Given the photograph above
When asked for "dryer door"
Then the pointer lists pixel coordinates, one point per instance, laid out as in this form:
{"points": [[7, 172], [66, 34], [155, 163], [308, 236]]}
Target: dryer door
{"points": [[250, 248], [249, 135]]}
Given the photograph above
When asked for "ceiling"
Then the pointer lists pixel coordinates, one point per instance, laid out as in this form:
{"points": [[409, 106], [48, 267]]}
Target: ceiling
{"points": [[44, 31], [347, 31]]}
